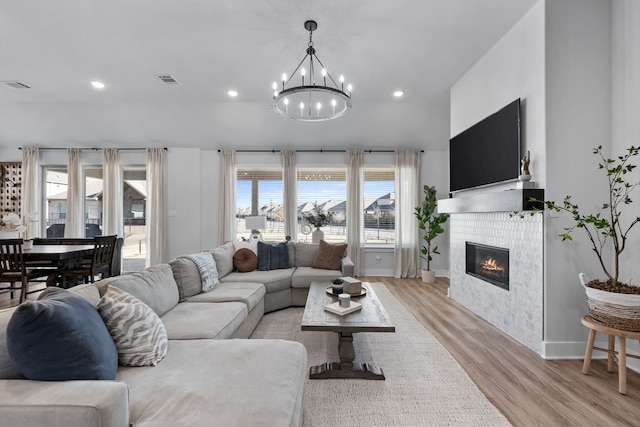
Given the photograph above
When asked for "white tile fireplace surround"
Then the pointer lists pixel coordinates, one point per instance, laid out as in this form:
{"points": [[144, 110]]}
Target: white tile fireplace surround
{"points": [[517, 311]]}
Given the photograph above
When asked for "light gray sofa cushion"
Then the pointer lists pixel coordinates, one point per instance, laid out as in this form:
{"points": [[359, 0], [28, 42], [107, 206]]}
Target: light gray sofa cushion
{"points": [[154, 286], [7, 369], [305, 254], [303, 276], [265, 387], [64, 403], [187, 277], [249, 293], [194, 320], [273, 280], [223, 255]]}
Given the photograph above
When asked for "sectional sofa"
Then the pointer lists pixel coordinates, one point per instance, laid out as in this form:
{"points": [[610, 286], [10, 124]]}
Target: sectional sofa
{"points": [[210, 375]]}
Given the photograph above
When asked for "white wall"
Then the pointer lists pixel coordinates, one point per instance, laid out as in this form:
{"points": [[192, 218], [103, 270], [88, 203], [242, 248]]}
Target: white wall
{"points": [[578, 118], [625, 125], [557, 59], [513, 68]]}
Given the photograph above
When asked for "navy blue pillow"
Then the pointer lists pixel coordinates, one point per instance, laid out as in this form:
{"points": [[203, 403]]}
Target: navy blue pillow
{"points": [[279, 256], [61, 336], [263, 256], [272, 257]]}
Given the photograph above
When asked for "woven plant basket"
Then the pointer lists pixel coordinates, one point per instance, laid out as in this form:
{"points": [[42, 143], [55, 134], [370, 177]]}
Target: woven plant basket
{"points": [[619, 311]]}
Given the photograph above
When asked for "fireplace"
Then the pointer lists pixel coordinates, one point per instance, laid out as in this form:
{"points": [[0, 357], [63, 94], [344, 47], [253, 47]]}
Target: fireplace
{"points": [[488, 263]]}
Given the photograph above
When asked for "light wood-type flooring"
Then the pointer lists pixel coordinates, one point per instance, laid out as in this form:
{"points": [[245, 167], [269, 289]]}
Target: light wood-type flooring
{"points": [[527, 389]]}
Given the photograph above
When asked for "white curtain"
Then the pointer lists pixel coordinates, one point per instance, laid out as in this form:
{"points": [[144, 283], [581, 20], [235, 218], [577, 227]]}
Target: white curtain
{"points": [[290, 190], [112, 209], [227, 212], [407, 182], [354, 208], [31, 189], [156, 229], [74, 222]]}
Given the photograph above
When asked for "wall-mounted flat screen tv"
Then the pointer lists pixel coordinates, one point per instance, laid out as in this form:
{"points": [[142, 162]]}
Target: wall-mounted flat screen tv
{"points": [[487, 152]]}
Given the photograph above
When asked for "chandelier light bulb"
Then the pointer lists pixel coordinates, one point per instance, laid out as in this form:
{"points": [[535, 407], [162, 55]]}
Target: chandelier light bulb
{"points": [[301, 109], [324, 76], [303, 72], [318, 107], [333, 105], [274, 86], [284, 77], [349, 89], [286, 105], [286, 101]]}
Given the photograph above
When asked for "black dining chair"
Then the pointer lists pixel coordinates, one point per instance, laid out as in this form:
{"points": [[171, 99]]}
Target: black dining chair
{"points": [[13, 269], [99, 263]]}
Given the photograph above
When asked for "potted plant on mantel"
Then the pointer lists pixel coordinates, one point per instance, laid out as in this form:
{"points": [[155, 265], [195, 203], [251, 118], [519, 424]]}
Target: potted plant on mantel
{"points": [[611, 302], [431, 224]]}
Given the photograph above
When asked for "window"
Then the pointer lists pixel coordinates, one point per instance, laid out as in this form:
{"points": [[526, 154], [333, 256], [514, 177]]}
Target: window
{"points": [[56, 184], [93, 201], [134, 193], [325, 190], [259, 192], [379, 206]]}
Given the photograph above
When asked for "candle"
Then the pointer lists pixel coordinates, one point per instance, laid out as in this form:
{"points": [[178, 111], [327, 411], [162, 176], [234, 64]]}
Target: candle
{"points": [[345, 300]]}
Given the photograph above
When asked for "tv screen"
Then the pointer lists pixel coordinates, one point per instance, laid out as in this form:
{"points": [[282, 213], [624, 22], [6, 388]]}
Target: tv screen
{"points": [[487, 152]]}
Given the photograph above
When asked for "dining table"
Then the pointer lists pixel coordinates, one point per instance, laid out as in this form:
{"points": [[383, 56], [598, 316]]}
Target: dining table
{"points": [[56, 257]]}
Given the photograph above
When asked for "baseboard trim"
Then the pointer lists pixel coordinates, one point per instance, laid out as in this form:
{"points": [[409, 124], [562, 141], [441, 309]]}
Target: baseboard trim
{"points": [[557, 350]]}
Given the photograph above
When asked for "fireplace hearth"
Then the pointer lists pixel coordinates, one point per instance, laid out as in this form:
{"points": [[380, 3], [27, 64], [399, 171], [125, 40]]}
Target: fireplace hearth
{"points": [[488, 263]]}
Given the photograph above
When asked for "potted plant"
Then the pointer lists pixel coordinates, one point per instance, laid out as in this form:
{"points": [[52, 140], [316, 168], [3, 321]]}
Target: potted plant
{"points": [[431, 224], [611, 302], [317, 219]]}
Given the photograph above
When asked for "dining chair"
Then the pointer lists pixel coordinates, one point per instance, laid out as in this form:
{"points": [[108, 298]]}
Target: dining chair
{"points": [[13, 269], [98, 264]]}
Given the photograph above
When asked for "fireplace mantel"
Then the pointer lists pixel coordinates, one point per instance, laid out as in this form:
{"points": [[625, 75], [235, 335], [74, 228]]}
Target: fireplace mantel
{"points": [[498, 201]]}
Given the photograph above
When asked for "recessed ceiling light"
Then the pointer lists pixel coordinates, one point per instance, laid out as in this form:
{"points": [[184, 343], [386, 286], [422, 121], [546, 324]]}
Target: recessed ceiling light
{"points": [[97, 85], [232, 93], [398, 93]]}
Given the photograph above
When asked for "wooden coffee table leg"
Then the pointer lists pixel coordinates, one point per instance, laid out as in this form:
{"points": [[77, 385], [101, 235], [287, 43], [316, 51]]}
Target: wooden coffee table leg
{"points": [[346, 368]]}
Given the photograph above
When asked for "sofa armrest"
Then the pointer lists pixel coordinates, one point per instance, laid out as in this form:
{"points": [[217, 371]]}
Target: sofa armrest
{"points": [[64, 403], [347, 267]]}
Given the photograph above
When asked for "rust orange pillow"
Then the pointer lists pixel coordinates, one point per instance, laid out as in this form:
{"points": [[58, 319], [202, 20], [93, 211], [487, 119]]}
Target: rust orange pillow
{"points": [[329, 257], [245, 260]]}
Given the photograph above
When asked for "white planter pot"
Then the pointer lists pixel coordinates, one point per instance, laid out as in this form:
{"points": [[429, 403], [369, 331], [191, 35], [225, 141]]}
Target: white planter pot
{"points": [[317, 235], [428, 276], [616, 310]]}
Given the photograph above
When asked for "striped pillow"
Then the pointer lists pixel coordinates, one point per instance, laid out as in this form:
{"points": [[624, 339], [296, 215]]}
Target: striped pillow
{"points": [[139, 334]]}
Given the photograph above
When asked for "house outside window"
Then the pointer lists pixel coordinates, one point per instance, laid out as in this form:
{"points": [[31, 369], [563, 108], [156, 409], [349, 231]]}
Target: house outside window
{"points": [[323, 190], [259, 192], [379, 206]]}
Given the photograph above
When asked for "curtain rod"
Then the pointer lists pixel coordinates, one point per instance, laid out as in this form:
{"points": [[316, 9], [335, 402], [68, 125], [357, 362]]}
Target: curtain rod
{"points": [[314, 151], [98, 149]]}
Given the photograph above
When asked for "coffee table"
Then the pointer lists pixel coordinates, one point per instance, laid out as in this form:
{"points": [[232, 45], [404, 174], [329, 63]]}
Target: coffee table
{"points": [[371, 318]]}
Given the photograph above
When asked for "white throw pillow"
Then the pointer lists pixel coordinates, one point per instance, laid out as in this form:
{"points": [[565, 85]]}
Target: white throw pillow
{"points": [[139, 334]]}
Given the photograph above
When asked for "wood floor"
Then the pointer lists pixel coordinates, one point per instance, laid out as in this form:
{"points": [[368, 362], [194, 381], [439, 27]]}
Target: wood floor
{"points": [[527, 389]]}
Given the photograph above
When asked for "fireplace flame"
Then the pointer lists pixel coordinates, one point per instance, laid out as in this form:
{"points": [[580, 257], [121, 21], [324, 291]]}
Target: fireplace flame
{"points": [[491, 264]]}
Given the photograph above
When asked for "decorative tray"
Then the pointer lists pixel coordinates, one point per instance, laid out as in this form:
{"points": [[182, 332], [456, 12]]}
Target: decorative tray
{"points": [[363, 291]]}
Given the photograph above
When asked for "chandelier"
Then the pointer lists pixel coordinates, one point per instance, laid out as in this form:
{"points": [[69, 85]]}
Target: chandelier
{"points": [[318, 97]]}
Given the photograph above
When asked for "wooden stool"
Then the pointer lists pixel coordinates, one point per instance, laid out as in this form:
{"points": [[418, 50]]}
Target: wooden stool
{"points": [[620, 356]]}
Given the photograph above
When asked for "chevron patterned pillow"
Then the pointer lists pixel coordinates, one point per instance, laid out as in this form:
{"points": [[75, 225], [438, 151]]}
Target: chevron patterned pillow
{"points": [[139, 334]]}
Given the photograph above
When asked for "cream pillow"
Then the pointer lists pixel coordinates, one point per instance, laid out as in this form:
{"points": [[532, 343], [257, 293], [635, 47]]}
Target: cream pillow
{"points": [[139, 334]]}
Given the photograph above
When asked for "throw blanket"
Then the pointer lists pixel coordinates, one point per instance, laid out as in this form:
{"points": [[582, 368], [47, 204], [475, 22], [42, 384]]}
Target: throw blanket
{"points": [[207, 268]]}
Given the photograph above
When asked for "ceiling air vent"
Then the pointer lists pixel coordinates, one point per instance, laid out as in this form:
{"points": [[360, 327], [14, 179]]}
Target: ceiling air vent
{"points": [[167, 79], [17, 85]]}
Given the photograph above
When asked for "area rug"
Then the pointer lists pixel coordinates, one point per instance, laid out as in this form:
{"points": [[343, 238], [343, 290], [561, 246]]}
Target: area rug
{"points": [[424, 385]]}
